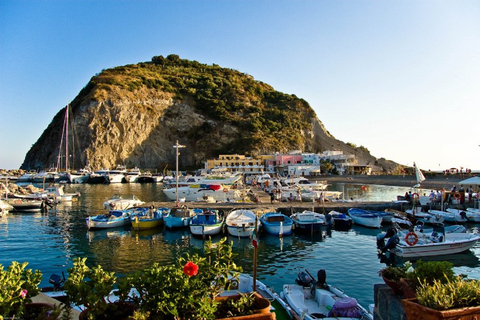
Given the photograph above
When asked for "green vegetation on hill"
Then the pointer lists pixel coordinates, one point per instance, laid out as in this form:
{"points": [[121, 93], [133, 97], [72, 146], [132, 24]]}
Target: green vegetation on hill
{"points": [[268, 119]]}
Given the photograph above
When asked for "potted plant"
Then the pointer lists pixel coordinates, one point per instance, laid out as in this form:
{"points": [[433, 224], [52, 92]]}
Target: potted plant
{"points": [[41, 311], [90, 289], [392, 276], [456, 298], [17, 286]]}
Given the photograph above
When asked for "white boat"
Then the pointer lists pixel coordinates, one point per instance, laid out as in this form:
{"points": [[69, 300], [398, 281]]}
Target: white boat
{"points": [[117, 175], [99, 177], [308, 221], [302, 182], [206, 223], [132, 175], [425, 217], [58, 195], [441, 241], [311, 300], [119, 202], [179, 217], [472, 216], [451, 216], [113, 219], [5, 208], [241, 223], [197, 192], [25, 205], [277, 224], [365, 218]]}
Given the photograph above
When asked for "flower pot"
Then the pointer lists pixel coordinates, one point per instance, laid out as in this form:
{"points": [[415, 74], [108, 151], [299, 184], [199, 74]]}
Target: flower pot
{"points": [[261, 308], [40, 310], [407, 290], [394, 285], [115, 310], [415, 311]]}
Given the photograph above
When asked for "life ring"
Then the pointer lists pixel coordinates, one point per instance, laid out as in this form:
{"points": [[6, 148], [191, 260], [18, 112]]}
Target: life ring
{"points": [[456, 196], [411, 238], [415, 196], [225, 190]]}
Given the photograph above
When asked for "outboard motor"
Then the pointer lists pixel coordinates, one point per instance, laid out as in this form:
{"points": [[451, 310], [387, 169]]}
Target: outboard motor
{"points": [[304, 279], [463, 214], [391, 243], [381, 238], [322, 278], [56, 281]]}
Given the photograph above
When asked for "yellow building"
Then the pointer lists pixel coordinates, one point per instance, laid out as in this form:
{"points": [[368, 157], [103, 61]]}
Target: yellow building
{"points": [[236, 163]]}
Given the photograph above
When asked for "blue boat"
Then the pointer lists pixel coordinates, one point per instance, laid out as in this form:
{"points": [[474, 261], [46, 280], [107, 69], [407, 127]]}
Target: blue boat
{"points": [[179, 217], [207, 223], [277, 224], [113, 219]]}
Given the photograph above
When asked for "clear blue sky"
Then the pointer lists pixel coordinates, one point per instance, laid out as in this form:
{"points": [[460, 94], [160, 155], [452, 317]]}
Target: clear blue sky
{"points": [[401, 78]]}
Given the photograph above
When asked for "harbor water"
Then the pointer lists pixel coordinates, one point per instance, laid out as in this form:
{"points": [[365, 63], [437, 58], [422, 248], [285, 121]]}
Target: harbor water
{"points": [[50, 241]]}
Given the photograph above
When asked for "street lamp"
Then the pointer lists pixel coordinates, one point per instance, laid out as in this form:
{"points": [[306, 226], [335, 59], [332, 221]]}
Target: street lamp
{"points": [[176, 146]]}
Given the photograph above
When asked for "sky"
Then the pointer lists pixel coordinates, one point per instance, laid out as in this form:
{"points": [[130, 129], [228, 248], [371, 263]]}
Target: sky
{"points": [[401, 78]]}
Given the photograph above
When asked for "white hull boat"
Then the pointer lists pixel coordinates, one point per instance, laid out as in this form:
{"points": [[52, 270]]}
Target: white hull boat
{"points": [[277, 224], [113, 219], [308, 221], [471, 216], [451, 217], [425, 217], [208, 223], [118, 202], [311, 300], [365, 218], [241, 223], [441, 241]]}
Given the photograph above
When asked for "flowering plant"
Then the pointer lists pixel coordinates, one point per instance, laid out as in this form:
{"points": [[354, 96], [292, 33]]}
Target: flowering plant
{"points": [[186, 290], [394, 273], [17, 286]]}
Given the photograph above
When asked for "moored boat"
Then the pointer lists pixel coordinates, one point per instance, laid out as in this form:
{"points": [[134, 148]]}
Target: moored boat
{"points": [[277, 224], [113, 219], [365, 218], [308, 221], [241, 223], [147, 218], [207, 223], [119, 202], [341, 221], [178, 217], [310, 299]]}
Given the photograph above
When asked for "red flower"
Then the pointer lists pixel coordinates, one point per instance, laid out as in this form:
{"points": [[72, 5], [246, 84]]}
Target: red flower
{"points": [[190, 269]]}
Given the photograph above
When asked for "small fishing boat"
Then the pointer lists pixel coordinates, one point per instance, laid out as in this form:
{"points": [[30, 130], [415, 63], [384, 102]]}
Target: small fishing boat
{"points": [[365, 218], [341, 221], [179, 217], [277, 224], [24, 205], [113, 219], [308, 221], [471, 216], [310, 300], [452, 216], [119, 202], [241, 223], [207, 223], [147, 218]]}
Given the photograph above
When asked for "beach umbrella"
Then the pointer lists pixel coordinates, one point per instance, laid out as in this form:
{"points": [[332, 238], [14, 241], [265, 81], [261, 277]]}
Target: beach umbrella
{"points": [[471, 181]]}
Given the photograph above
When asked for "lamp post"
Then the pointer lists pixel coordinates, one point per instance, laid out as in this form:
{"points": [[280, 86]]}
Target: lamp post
{"points": [[176, 146]]}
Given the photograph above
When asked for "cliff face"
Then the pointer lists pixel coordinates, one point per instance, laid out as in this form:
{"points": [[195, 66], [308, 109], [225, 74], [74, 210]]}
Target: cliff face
{"points": [[133, 115]]}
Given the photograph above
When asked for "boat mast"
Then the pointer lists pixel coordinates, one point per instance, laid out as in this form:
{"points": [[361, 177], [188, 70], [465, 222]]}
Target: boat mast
{"points": [[66, 139], [176, 146]]}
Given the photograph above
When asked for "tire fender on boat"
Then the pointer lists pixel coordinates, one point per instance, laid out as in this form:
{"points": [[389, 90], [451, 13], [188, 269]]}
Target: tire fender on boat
{"points": [[411, 238]]}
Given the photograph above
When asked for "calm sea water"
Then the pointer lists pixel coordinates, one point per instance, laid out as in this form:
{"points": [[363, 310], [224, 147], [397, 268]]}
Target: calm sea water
{"points": [[50, 241]]}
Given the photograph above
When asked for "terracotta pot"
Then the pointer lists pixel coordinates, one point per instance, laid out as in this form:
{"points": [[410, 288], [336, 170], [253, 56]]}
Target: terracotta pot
{"points": [[407, 289], [38, 310], [394, 285], [261, 311], [415, 311], [119, 310]]}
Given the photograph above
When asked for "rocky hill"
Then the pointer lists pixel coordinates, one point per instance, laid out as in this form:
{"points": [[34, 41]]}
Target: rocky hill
{"points": [[133, 115]]}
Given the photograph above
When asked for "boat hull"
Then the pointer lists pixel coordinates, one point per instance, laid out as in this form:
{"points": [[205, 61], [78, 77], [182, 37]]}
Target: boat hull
{"points": [[435, 249], [143, 224], [365, 218]]}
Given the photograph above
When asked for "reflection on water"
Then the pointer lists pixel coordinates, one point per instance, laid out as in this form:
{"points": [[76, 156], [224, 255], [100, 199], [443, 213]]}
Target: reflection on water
{"points": [[372, 192], [51, 241]]}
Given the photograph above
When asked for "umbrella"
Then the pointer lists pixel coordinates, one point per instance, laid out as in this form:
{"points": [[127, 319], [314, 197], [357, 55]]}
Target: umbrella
{"points": [[471, 181]]}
